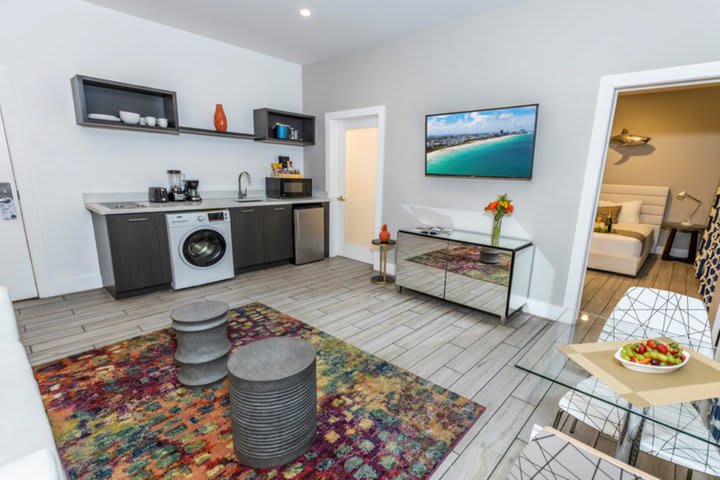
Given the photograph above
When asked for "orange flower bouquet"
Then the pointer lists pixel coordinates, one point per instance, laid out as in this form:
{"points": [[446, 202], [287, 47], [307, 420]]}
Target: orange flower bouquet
{"points": [[499, 208]]}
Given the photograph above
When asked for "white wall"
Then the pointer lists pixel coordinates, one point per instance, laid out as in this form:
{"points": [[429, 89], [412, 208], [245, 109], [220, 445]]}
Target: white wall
{"points": [[552, 52], [44, 43], [684, 152]]}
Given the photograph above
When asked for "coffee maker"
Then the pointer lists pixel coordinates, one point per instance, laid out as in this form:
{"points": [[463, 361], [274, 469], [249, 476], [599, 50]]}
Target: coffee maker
{"points": [[176, 192], [191, 191]]}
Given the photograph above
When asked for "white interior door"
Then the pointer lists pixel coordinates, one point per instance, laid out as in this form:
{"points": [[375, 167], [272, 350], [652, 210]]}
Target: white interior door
{"points": [[16, 272], [356, 188]]}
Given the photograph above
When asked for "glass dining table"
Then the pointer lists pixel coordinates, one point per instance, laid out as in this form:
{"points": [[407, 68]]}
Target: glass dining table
{"points": [[682, 432]]}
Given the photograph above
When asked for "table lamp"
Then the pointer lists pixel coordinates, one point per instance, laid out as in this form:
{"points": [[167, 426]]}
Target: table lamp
{"points": [[681, 196]]}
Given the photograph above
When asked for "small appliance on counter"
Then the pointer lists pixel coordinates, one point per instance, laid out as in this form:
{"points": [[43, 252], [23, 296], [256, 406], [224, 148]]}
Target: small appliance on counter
{"points": [[191, 191], [283, 187], [177, 184], [158, 195]]}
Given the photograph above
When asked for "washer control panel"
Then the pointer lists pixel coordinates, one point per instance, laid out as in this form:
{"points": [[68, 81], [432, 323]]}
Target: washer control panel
{"points": [[198, 218]]}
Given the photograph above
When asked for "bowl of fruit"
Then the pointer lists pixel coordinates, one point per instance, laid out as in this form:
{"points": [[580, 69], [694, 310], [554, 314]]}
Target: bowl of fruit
{"points": [[652, 356]]}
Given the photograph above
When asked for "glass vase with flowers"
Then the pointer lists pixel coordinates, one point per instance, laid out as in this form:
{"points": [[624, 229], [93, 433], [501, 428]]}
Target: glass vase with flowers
{"points": [[499, 208]]}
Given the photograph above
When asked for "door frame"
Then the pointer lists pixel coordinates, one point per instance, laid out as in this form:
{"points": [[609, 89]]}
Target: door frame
{"points": [[334, 155], [17, 145], [610, 87]]}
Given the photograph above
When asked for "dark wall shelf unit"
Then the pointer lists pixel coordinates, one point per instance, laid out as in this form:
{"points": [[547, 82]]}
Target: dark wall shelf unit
{"points": [[215, 133], [95, 95], [266, 118]]}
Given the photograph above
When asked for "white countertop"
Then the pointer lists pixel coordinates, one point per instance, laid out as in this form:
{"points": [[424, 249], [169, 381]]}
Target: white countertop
{"points": [[102, 203]]}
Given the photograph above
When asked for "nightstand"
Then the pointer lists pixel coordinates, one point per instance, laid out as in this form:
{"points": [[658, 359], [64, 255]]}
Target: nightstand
{"points": [[674, 227]]}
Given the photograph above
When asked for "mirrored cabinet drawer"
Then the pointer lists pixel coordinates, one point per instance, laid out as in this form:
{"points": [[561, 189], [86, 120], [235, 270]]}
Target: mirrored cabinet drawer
{"points": [[477, 275]]}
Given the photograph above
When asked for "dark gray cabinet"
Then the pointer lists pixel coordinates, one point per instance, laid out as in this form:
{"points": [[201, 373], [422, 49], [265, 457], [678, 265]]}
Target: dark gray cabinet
{"points": [[261, 235], [133, 252], [247, 236], [278, 233]]}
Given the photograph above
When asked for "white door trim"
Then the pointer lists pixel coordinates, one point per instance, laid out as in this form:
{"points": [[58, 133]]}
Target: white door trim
{"points": [[17, 140], [333, 155], [610, 86]]}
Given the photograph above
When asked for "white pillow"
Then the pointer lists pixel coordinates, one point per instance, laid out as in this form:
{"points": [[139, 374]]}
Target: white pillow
{"points": [[630, 212], [606, 203]]}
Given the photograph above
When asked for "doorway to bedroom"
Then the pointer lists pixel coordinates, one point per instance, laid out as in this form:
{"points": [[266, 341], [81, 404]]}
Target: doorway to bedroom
{"points": [[659, 183]]}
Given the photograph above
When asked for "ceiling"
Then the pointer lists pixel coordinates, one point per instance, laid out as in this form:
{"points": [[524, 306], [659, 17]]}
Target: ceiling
{"points": [[274, 27]]}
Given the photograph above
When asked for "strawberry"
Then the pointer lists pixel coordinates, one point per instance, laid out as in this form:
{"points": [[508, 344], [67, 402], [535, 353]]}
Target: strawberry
{"points": [[640, 348], [662, 348], [651, 344], [633, 360], [683, 357]]}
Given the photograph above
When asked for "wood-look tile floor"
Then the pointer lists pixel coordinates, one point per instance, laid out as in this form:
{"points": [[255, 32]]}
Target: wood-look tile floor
{"points": [[463, 350], [603, 289]]}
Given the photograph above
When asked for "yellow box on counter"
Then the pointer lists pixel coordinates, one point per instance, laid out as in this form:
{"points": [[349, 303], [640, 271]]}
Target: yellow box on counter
{"points": [[288, 175]]}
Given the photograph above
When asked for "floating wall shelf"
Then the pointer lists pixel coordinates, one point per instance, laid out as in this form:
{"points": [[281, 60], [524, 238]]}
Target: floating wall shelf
{"points": [[95, 95], [215, 133], [266, 118]]}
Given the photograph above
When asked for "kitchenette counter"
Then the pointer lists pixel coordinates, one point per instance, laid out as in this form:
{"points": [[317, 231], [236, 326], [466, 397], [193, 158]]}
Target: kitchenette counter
{"points": [[116, 204]]}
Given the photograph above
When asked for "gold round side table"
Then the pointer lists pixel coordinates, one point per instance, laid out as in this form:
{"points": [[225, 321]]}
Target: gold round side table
{"points": [[383, 278]]}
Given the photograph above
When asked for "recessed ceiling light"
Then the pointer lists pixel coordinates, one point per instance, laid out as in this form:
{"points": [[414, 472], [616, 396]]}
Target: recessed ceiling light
{"points": [[305, 12]]}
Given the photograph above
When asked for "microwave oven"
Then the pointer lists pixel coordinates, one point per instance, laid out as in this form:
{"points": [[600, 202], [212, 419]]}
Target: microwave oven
{"points": [[282, 187]]}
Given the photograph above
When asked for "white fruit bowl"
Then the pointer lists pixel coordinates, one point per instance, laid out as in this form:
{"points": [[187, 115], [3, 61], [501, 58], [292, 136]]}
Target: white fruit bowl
{"points": [[636, 367]]}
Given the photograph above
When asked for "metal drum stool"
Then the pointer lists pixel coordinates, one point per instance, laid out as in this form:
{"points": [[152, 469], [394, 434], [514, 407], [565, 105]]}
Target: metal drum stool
{"points": [[202, 342], [273, 401]]}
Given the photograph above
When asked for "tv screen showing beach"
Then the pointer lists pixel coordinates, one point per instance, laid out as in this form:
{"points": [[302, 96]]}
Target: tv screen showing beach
{"points": [[496, 143]]}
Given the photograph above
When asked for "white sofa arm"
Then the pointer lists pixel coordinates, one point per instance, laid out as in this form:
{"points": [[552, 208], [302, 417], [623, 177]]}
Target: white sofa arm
{"points": [[8, 324], [38, 465]]}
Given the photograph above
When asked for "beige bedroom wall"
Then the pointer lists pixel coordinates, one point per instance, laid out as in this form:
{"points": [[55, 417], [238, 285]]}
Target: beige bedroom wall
{"points": [[684, 152]]}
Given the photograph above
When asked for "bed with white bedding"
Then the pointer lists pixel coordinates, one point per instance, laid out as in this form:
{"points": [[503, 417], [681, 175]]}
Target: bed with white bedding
{"points": [[625, 252]]}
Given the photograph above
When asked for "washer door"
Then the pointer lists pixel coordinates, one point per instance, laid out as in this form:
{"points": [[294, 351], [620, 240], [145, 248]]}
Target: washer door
{"points": [[203, 248]]}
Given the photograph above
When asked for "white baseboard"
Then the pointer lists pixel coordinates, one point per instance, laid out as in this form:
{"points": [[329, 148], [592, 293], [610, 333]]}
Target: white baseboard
{"points": [[79, 283]]}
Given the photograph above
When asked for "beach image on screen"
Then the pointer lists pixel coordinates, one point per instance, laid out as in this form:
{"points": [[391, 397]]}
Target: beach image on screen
{"points": [[486, 143]]}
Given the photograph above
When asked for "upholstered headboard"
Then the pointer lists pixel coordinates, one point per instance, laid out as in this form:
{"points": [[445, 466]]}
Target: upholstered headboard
{"points": [[654, 201]]}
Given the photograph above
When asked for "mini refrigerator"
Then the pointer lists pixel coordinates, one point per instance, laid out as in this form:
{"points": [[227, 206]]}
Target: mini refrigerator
{"points": [[309, 233]]}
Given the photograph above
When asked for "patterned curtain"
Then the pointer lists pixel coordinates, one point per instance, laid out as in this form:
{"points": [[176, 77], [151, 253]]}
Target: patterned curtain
{"points": [[707, 262]]}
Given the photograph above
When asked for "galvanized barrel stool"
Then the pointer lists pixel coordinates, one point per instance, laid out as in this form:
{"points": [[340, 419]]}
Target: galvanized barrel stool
{"points": [[202, 342], [273, 401]]}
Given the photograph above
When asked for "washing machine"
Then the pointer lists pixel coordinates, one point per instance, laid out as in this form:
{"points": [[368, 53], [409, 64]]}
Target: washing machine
{"points": [[200, 247]]}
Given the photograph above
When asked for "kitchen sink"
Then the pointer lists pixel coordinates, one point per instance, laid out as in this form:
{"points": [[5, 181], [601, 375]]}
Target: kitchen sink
{"points": [[249, 200]]}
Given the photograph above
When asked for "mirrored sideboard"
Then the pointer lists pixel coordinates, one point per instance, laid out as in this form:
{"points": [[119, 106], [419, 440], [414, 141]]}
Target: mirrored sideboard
{"points": [[465, 268]]}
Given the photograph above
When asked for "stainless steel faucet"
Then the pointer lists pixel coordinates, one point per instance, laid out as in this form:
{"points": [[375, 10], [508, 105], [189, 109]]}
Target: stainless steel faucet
{"points": [[243, 193]]}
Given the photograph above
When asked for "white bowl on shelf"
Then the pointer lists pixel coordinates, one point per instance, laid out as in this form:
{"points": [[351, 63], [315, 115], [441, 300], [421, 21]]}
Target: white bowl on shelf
{"points": [[636, 367], [130, 118]]}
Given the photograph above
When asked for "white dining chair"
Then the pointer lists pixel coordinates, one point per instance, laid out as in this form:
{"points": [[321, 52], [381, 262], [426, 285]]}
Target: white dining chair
{"points": [[552, 454], [642, 313]]}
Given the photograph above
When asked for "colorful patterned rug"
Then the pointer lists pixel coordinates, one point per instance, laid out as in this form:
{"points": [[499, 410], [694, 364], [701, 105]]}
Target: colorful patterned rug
{"points": [[466, 261], [118, 412]]}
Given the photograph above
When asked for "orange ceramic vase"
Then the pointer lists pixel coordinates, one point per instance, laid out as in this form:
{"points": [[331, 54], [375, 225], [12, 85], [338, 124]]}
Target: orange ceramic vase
{"points": [[220, 118], [384, 234]]}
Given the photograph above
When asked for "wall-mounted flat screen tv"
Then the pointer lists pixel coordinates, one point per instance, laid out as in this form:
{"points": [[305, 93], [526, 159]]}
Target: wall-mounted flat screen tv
{"points": [[492, 143]]}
